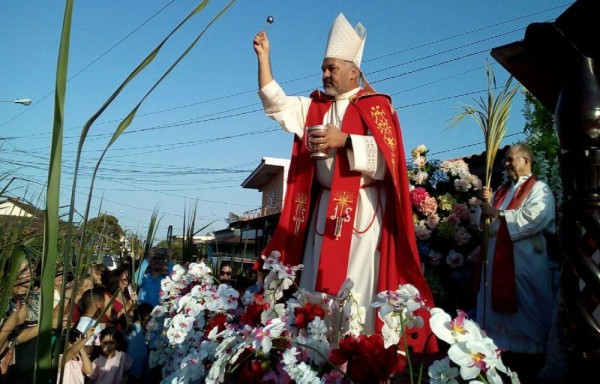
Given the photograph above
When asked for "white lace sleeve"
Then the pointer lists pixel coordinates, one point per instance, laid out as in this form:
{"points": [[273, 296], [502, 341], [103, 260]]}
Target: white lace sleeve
{"points": [[289, 111], [366, 157]]}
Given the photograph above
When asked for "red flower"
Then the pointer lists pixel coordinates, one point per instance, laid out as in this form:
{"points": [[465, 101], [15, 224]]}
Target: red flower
{"points": [[252, 314], [367, 359], [253, 311], [306, 314], [250, 370], [218, 321]]}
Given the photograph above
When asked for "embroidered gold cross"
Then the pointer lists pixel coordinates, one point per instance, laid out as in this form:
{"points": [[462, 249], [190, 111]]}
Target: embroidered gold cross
{"points": [[341, 213], [300, 201]]}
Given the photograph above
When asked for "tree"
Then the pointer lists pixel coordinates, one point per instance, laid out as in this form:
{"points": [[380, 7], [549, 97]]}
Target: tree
{"points": [[105, 234], [176, 247], [543, 140]]}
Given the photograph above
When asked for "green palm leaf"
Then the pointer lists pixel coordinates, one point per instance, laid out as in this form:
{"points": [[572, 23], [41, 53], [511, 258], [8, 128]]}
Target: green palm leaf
{"points": [[43, 365], [491, 114]]}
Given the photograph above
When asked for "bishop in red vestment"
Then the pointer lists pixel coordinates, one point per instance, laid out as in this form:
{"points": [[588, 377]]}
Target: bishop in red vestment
{"points": [[347, 215]]}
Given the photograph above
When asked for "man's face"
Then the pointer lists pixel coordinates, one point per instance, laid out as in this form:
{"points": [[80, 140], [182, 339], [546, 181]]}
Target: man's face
{"points": [[517, 164], [339, 76], [157, 263], [225, 273]]}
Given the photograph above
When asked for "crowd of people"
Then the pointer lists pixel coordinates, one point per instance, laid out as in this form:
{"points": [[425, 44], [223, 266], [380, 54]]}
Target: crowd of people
{"points": [[103, 322], [105, 314]]}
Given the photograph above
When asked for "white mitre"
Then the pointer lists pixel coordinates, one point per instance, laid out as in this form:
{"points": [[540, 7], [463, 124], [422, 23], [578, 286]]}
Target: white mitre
{"points": [[345, 42]]}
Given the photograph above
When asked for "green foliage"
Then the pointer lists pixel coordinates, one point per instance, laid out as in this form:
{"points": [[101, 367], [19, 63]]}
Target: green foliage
{"points": [[105, 234], [176, 248], [543, 140], [10, 264], [189, 248]]}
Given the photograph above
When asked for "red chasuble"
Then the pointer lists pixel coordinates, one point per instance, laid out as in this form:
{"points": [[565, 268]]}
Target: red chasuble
{"points": [[399, 259]]}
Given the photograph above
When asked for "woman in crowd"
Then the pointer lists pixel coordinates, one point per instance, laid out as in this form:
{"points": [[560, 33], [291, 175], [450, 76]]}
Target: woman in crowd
{"points": [[121, 311], [19, 331]]}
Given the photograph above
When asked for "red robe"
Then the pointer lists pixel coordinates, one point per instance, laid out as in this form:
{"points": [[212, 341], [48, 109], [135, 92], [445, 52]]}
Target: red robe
{"points": [[399, 259]]}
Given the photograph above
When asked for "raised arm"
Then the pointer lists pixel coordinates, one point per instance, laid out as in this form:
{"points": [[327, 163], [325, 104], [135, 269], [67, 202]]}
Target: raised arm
{"points": [[262, 48], [78, 346]]}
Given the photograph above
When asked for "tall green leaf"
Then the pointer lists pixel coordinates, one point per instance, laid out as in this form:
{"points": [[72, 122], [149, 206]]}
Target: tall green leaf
{"points": [[129, 118], [43, 365]]}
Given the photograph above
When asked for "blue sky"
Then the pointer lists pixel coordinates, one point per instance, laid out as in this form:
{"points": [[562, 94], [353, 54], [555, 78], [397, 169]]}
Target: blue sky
{"points": [[202, 131]]}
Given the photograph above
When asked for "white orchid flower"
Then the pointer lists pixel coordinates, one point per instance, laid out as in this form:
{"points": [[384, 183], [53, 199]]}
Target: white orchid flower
{"points": [[178, 273], [346, 289], [223, 299], [262, 337], [200, 271], [473, 357], [441, 372], [183, 322], [452, 331], [391, 332], [176, 335]]}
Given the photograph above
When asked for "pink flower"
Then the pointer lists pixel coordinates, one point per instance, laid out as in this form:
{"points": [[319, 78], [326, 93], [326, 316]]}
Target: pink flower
{"points": [[433, 220], [462, 236], [421, 231], [429, 206], [461, 210], [418, 196], [453, 219], [475, 181], [462, 185], [455, 259]]}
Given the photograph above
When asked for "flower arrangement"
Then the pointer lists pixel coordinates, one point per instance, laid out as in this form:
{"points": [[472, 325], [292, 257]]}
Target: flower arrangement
{"points": [[444, 195], [207, 332]]}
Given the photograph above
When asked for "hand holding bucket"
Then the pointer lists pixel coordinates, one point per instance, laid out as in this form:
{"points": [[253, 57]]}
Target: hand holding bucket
{"points": [[312, 147]]}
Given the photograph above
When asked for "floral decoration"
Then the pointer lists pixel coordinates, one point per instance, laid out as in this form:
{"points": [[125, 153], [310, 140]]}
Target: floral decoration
{"points": [[206, 332], [444, 195]]}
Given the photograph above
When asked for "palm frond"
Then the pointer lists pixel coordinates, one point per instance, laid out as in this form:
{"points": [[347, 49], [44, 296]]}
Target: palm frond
{"points": [[43, 366], [491, 114]]}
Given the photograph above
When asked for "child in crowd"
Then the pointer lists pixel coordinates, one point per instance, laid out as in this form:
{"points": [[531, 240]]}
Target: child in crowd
{"points": [[137, 347], [91, 304], [112, 366], [77, 361]]}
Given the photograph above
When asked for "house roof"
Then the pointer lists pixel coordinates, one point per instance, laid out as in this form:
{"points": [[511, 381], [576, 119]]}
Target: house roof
{"points": [[23, 205], [268, 168]]}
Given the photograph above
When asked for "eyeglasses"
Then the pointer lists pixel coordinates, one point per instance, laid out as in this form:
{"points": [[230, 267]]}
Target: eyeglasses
{"points": [[225, 273], [510, 159]]}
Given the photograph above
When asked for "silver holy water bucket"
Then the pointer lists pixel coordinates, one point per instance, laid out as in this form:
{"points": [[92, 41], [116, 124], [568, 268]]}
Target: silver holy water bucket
{"points": [[316, 154]]}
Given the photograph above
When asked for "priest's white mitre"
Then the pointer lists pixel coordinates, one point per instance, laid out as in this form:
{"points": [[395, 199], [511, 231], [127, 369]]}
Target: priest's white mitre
{"points": [[345, 42]]}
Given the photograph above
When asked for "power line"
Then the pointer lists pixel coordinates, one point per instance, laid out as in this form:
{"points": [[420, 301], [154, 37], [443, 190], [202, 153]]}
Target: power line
{"points": [[268, 130], [93, 61], [304, 77]]}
